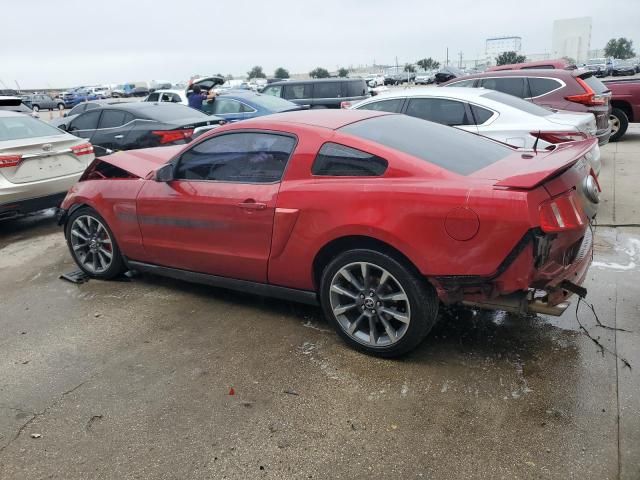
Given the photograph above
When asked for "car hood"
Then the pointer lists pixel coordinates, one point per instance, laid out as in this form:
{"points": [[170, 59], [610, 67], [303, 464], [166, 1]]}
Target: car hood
{"points": [[142, 162]]}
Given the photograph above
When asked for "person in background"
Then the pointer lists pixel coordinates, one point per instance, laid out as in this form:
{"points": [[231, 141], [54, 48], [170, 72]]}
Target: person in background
{"points": [[197, 97]]}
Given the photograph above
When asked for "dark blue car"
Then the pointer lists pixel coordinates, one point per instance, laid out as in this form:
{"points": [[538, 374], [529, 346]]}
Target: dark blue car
{"points": [[78, 95], [242, 105]]}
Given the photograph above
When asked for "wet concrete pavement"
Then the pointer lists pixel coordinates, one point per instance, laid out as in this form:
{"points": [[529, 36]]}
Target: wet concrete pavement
{"points": [[132, 379]]}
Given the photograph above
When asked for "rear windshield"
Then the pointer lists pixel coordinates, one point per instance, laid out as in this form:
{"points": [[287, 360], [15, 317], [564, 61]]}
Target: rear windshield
{"points": [[22, 126], [168, 112], [518, 103], [450, 148], [276, 104], [596, 85]]}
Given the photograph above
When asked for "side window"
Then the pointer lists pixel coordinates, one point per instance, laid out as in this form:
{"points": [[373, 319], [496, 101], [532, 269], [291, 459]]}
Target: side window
{"points": [[394, 105], [274, 90], [512, 86], [91, 106], [481, 115], [238, 157], [86, 121], [78, 109], [339, 161], [297, 92], [246, 108], [439, 110], [462, 83], [327, 90], [112, 119], [542, 86], [175, 98], [223, 106], [153, 97], [356, 88]]}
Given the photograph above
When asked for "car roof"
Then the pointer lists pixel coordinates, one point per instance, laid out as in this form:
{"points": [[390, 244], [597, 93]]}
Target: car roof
{"points": [[552, 73], [332, 119], [317, 80], [463, 93]]}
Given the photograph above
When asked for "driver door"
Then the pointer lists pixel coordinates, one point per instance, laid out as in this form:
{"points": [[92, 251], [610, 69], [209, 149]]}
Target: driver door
{"points": [[216, 215]]}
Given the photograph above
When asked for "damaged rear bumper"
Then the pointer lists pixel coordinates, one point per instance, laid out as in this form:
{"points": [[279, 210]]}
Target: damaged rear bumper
{"points": [[545, 290]]}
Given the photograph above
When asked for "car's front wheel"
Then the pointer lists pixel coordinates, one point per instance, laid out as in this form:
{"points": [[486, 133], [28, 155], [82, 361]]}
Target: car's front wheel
{"points": [[35, 108], [376, 303], [61, 106], [619, 124], [92, 244]]}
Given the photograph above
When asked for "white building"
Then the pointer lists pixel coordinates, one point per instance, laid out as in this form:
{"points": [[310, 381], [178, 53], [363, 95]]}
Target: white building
{"points": [[572, 38], [497, 45]]}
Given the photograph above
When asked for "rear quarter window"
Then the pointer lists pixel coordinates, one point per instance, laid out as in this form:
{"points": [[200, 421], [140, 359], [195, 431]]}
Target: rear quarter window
{"points": [[337, 160], [542, 86], [449, 148]]}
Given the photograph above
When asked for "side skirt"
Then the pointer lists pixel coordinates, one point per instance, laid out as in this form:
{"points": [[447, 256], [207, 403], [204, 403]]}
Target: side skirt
{"points": [[256, 288]]}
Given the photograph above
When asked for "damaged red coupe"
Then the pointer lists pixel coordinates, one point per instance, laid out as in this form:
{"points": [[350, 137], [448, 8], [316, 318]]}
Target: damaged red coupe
{"points": [[378, 217]]}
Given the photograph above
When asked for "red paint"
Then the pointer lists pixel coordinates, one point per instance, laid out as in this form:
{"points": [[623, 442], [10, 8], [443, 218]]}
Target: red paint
{"points": [[273, 232]]}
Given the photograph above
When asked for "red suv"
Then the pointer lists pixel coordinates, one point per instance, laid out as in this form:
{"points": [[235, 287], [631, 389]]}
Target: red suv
{"points": [[573, 90]]}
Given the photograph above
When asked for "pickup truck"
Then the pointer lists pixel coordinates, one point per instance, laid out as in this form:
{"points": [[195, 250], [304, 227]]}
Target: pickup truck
{"points": [[625, 103]]}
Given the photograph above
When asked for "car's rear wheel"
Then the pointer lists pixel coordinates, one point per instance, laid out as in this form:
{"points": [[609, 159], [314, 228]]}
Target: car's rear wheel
{"points": [[61, 106], [93, 245], [35, 108], [376, 303], [619, 124]]}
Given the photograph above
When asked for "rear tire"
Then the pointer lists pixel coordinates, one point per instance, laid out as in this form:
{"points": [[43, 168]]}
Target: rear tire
{"points": [[61, 106], [619, 123], [93, 245], [384, 308]]}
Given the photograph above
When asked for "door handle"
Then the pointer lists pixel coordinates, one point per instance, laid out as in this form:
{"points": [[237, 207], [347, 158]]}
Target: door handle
{"points": [[252, 205], [119, 137]]}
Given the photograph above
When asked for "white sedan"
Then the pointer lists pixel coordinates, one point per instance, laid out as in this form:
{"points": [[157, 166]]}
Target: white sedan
{"points": [[38, 164], [491, 114]]}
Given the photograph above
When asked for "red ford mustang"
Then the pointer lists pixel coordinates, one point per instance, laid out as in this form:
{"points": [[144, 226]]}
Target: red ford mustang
{"points": [[378, 217]]}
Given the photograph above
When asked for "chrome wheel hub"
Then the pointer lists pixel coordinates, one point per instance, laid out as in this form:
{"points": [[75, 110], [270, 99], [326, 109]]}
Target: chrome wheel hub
{"points": [[91, 244], [369, 304], [615, 124]]}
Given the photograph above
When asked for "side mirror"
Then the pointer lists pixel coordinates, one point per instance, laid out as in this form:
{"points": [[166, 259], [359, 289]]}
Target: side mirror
{"points": [[164, 173], [62, 126]]}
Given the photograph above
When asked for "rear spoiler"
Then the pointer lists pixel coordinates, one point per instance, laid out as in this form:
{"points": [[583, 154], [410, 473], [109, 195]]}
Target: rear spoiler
{"points": [[541, 166]]}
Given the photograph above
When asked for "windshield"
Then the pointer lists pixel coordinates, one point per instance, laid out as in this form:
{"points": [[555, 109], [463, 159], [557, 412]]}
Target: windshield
{"points": [[452, 149], [22, 126], [518, 103]]}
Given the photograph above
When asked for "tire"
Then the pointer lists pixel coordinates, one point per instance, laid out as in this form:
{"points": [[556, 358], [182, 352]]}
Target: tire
{"points": [[84, 224], [619, 124], [402, 309], [61, 106], [35, 108]]}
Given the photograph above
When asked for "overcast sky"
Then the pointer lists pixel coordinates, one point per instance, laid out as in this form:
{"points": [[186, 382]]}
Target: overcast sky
{"points": [[62, 43]]}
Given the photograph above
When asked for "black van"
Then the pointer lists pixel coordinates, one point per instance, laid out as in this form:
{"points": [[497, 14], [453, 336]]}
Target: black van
{"points": [[325, 93]]}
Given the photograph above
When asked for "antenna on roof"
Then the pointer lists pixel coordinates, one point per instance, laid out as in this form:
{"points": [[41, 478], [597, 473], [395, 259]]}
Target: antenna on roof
{"points": [[535, 144]]}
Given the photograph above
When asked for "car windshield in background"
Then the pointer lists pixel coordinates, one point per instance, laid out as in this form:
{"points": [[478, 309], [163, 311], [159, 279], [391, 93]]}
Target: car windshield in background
{"points": [[450, 148], [275, 104], [22, 126], [596, 85], [518, 103], [171, 111]]}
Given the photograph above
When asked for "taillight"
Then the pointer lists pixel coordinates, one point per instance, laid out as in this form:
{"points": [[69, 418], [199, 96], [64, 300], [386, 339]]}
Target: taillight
{"points": [[560, 137], [170, 136], [560, 214], [10, 160], [345, 104], [84, 149], [588, 98]]}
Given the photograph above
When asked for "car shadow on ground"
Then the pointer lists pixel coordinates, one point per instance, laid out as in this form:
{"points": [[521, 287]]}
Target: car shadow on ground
{"points": [[28, 226], [458, 331]]}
